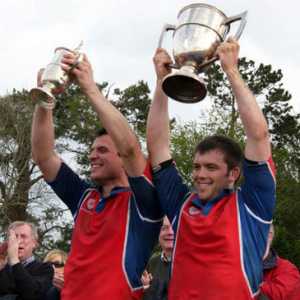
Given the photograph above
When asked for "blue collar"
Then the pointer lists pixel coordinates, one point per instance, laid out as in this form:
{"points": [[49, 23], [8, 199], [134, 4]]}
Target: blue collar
{"points": [[207, 206], [114, 192]]}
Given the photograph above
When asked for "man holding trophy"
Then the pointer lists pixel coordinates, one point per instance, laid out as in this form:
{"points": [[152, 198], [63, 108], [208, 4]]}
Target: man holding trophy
{"points": [[221, 232], [118, 218]]}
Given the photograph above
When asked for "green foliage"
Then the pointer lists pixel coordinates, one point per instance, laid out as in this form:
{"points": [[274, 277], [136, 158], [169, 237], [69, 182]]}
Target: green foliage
{"points": [[134, 103], [183, 141], [16, 168]]}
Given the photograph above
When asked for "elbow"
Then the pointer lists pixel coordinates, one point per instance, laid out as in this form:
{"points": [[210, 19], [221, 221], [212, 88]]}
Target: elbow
{"points": [[261, 134], [37, 159], [130, 150]]}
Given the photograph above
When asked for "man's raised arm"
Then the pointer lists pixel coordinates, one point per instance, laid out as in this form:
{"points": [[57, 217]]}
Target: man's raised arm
{"points": [[42, 142], [158, 131], [257, 145], [112, 120]]}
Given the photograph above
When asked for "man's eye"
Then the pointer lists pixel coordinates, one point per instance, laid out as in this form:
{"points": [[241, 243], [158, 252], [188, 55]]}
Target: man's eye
{"points": [[211, 168]]}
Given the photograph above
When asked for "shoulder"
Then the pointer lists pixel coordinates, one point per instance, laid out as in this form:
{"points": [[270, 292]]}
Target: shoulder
{"points": [[287, 265], [154, 260], [39, 266]]}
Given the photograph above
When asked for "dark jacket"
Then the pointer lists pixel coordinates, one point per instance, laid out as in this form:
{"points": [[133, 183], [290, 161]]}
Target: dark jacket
{"points": [[30, 282], [160, 271]]}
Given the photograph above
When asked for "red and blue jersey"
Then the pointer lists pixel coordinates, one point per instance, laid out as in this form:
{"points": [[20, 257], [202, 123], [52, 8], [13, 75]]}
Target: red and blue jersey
{"points": [[219, 245], [112, 238]]}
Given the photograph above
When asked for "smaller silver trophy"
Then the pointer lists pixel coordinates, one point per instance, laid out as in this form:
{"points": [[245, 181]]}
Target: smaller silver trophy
{"points": [[200, 30], [54, 78]]}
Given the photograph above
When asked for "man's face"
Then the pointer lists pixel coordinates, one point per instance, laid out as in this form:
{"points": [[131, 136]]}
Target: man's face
{"points": [[210, 174], [106, 164], [27, 242], [166, 236]]}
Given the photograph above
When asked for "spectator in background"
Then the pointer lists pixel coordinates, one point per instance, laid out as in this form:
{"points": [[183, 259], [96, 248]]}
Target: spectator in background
{"points": [[3, 255], [23, 277], [156, 277], [57, 258], [281, 277]]}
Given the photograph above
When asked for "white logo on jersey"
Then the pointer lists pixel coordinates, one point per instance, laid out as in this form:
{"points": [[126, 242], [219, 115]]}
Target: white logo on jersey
{"points": [[194, 211], [91, 203]]}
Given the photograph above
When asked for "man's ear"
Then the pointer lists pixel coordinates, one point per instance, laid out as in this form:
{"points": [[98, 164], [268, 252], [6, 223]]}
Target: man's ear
{"points": [[36, 244], [234, 174]]}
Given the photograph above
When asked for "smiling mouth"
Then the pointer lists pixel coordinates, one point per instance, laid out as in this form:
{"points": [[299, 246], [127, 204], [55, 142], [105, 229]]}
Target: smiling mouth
{"points": [[95, 166]]}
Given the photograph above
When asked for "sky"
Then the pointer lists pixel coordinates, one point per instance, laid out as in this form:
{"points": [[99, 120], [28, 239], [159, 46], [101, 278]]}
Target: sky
{"points": [[120, 38]]}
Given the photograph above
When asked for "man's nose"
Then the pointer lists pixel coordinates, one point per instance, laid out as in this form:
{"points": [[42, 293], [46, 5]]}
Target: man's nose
{"points": [[201, 173], [92, 155], [170, 231]]}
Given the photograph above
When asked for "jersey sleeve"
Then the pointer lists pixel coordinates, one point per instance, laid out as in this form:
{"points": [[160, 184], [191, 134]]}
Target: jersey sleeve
{"points": [[171, 190], [145, 196], [69, 187], [259, 187]]}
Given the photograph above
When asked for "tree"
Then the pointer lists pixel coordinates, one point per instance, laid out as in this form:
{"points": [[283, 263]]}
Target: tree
{"points": [[17, 173]]}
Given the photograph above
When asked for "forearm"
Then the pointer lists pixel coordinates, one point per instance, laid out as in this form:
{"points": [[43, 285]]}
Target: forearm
{"points": [[42, 143], [42, 138], [115, 124], [158, 128], [251, 115], [254, 122]]}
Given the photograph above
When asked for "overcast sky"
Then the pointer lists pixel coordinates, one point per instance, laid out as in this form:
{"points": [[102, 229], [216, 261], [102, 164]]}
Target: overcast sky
{"points": [[120, 37]]}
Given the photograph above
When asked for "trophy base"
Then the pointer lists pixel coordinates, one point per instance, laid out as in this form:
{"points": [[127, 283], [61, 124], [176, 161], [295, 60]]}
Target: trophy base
{"points": [[184, 86], [42, 97]]}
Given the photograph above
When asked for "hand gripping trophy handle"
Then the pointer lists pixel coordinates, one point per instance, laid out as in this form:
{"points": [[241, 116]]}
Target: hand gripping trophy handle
{"points": [[54, 79], [240, 17], [167, 27]]}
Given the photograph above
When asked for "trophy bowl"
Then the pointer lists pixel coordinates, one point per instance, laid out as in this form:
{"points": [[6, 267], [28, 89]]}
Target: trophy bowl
{"points": [[200, 30], [54, 79]]}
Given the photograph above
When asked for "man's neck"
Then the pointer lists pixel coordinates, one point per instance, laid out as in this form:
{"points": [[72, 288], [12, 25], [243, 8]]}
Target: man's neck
{"points": [[108, 186]]}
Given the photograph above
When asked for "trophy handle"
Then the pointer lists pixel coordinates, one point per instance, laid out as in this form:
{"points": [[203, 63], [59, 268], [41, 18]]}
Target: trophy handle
{"points": [[166, 28], [241, 17]]}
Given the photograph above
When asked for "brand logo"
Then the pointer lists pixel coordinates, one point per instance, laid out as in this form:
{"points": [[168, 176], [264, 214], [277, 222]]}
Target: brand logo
{"points": [[90, 203], [194, 211]]}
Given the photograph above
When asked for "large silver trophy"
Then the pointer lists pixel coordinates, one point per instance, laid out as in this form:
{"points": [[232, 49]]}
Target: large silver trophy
{"points": [[54, 79], [200, 30]]}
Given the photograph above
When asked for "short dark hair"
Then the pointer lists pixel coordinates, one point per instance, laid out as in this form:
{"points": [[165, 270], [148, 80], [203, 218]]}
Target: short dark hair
{"points": [[100, 132], [233, 154]]}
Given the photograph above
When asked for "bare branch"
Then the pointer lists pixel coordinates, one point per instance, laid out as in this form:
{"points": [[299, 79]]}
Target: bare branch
{"points": [[3, 189], [35, 180]]}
